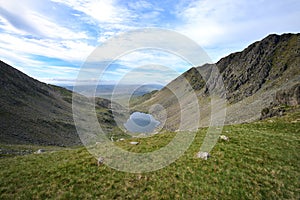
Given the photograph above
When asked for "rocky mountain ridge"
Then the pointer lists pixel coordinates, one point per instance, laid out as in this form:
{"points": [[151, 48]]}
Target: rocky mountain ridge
{"points": [[253, 79]]}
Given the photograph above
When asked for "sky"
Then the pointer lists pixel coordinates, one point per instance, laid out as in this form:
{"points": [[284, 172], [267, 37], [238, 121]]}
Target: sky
{"points": [[51, 39]]}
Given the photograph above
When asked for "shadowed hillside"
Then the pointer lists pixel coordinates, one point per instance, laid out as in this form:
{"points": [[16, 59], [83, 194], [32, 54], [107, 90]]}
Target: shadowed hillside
{"points": [[32, 112]]}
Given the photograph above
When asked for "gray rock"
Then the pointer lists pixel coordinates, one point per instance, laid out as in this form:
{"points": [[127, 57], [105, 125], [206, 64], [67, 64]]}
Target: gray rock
{"points": [[224, 137], [40, 151], [100, 161], [203, 155], [134, 143]]}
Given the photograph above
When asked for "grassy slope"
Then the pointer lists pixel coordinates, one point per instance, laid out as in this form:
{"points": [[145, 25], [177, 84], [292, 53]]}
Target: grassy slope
{"points": [[32, 112], [136, 100], [261, 161]]}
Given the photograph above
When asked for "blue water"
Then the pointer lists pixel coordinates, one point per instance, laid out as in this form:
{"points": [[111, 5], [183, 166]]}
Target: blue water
{"points": [[141, 123]]}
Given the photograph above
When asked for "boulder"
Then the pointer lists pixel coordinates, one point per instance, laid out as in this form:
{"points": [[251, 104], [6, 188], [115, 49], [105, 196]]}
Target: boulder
{"points": [[134, 143], [40, 151], [224, 137], [203, 155], [100, 161]]}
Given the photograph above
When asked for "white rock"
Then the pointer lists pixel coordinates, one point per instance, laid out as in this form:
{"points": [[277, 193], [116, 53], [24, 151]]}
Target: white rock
{"points": [[100, 161], [121, 139], [224, 137], [203, 155], [40, 151], [134, 143]]}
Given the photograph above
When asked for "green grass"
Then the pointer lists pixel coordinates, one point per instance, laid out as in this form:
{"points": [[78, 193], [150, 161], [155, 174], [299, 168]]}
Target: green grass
{"points": [[137, 100], [260, 161], [13, 150]]}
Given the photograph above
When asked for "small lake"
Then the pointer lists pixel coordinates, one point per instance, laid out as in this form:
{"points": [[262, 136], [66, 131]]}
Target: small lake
{"points": [[141, 123]]}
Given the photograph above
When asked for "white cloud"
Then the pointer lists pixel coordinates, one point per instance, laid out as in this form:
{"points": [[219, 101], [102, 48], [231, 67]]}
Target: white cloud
{"points": [[106, 11], [19, 62], [34, 21], [141, 58], [66, 50], [230, 23], [5, 25], [57, 70], [29, 31], [50, 29], [138, 5]]}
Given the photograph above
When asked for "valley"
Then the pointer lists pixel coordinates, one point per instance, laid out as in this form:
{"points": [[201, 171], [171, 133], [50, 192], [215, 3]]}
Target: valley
{"points": [[260, 160]]}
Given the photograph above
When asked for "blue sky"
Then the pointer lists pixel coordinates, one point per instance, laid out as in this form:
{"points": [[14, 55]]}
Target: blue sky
{"points": [[51, 39]]}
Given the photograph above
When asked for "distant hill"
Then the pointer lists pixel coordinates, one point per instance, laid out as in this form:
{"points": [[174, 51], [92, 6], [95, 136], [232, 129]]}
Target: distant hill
{"points": [[261, 81], [32, 112], [106, 91]]}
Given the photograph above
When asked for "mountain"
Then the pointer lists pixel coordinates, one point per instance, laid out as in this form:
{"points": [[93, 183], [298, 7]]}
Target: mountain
{"points": [[260, 81], [32, 112]]}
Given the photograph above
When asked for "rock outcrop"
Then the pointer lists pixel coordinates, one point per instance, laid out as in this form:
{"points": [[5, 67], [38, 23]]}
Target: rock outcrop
{"points": [[266, 72]]}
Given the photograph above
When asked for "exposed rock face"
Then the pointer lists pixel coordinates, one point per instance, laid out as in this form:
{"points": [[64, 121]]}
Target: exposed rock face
{"points": [[251, 79], [289, 97], [283, 98], [244, 73]]}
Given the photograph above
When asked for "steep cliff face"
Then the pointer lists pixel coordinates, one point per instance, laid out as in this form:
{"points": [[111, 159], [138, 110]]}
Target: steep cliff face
{"points": [[252, 78], [284, 99], [289, 97], [263, 62]]}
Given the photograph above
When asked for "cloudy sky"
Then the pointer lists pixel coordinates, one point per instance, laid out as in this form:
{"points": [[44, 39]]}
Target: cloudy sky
{"points": [[51, 39]]}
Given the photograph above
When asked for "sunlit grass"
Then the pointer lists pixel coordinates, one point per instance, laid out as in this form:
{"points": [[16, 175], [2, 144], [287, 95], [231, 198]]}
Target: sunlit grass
{"points": [[260, 161]]}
